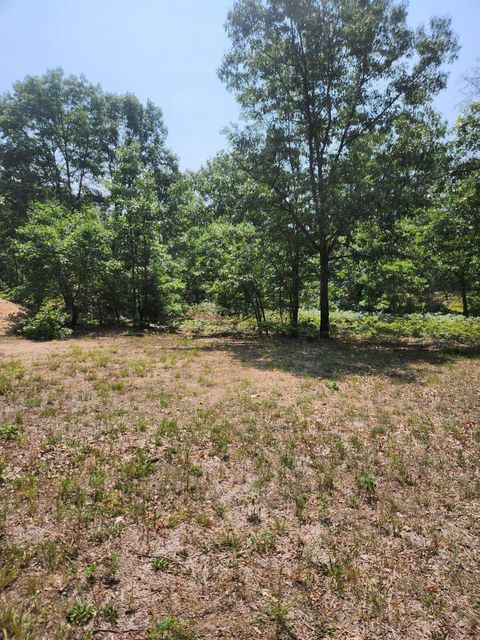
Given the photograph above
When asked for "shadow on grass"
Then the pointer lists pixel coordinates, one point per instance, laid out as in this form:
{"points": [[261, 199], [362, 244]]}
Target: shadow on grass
{"points": [[331, 359], [334, 359]]}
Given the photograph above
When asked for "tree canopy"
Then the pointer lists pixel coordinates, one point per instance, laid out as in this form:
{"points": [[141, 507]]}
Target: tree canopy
{"points": [[342, 188]]}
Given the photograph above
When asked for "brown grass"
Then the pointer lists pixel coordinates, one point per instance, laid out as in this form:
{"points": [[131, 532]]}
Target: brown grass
{"points": [[242, 489]]}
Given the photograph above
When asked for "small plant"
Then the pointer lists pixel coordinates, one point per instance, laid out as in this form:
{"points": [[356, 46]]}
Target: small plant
{"points": [[90, 571], [366, 483], [48, 324], [279, 613], [10, 432], [263, 542], [15, 623], [113, 567], [220, 440], [109, 611], [80, 612], [50, 554], [161, 563], [72, 493], [339, 571], [171, 628], [168, 428], [331, 384], [139, 466]]}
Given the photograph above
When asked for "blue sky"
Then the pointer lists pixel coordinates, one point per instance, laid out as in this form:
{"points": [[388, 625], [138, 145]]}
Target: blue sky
{"points": [[169, 50]]}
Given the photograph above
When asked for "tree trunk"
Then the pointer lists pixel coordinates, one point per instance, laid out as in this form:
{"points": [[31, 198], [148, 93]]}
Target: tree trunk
{"points": [[463, 286], [295, 295], [324, 302], [75, 311], [71, 308]]}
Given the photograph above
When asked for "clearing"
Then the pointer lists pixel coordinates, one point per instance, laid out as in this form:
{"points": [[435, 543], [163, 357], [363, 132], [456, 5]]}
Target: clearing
{"points": [[164, 486]]}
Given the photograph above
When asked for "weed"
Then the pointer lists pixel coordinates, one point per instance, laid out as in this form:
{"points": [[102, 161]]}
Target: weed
{"points": [[90, 571], [109, 611], [161, 563], [220, 438], [367, 485], [10, 432], [49, 553], [140, 466], [15, 624], [339, 571], [81, 612], [168, 428], [72, 493], [331, 384], [263, 542], [171, 628]]}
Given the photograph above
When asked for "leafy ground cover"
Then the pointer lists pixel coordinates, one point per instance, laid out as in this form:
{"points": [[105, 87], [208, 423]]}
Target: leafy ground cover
{"points": [[437, 330], [173, 486]]}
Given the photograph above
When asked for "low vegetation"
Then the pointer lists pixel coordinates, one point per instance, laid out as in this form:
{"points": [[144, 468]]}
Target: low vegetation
{"points": [[180, 486]]}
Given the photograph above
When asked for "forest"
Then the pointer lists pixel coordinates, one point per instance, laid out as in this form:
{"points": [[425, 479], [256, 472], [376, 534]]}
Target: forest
{"points": [[344, 189]]}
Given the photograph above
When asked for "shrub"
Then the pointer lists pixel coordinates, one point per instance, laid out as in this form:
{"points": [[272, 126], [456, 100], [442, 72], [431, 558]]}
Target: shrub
{"points": [[48, 324]]}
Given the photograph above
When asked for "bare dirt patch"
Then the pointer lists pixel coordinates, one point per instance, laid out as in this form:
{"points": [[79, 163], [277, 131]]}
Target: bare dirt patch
{"points": [[170, 487], [11, 315]]}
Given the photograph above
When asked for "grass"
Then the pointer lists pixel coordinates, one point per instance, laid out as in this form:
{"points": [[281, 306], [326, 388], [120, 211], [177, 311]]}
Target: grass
{"points": [[185, 487]]}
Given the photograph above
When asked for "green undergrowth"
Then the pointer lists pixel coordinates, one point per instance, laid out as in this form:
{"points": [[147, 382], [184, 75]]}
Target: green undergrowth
{"points": [[438, 329]]}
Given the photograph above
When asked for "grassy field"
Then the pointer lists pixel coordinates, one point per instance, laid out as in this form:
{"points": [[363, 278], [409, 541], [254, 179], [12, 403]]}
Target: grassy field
{"points": [[181, 487]]}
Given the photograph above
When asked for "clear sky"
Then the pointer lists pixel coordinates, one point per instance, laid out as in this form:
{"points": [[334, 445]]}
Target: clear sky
{"points": [[168, 51]]}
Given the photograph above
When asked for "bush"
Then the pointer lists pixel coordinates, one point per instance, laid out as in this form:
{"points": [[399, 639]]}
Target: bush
{"points": [[48, 324]]}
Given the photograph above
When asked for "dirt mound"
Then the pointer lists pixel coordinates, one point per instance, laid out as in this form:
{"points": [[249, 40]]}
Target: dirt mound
{"points": [[11, 315]]}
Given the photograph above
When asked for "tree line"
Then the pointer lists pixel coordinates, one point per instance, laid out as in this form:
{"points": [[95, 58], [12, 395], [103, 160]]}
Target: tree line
{"points": [[342, 186]]}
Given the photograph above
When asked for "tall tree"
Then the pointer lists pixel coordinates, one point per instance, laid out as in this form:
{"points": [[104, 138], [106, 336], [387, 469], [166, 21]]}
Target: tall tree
{"points": [[59, 141], [452, 225], [137, 221], [320, 81]]}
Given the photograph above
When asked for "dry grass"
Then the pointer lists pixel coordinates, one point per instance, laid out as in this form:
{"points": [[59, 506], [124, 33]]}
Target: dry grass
{"points": [[164, 487]]}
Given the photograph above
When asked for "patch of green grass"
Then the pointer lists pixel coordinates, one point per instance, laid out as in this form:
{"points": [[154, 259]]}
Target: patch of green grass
{"points": [[168, 428], [171, 628], [140, 466]]}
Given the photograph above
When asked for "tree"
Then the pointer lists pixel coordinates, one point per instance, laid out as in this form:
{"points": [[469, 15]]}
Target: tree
{"points": [[50, 140], [320, 81], [227, 194], [66, 254], [59, 137], [227, 259], [149, 279], [452, 225]]}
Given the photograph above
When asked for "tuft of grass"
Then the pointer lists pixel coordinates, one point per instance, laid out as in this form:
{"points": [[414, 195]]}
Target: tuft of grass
{"points": [[366, 484], [168, 428], [109, 612], [140, 466], [171, 628], [15, 624]]}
